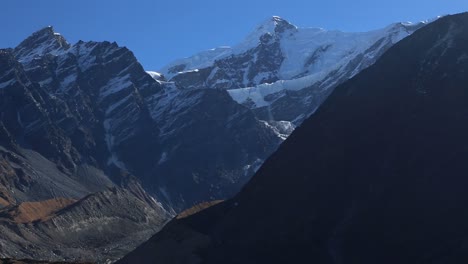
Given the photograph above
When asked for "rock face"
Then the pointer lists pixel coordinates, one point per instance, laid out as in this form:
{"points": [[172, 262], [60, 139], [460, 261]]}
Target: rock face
{"points": [[376, 175], [55, 163], [95, 105], [79, 119]]}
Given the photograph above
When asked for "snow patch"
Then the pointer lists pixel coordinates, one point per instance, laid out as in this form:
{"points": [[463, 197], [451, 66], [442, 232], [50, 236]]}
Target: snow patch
{"points": [[67, 81], [116, 105], [155, 75], [252, 168], [281, 129], [46, 81], [258, 93], [198, 61], [83, 52], [7, 83], [163, 158], [115, 85], [109, 138], [18, 118]]}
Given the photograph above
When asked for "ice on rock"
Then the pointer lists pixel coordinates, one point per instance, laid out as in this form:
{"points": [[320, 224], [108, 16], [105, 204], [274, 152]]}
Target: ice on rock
{"points": [[155, 75]]}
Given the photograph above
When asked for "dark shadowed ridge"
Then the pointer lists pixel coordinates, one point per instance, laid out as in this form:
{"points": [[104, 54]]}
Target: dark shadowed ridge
{"points": [[377, 175]]}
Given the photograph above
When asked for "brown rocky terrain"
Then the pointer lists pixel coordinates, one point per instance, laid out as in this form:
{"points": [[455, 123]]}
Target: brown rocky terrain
{"points": [[28, 212], [197, 208]]}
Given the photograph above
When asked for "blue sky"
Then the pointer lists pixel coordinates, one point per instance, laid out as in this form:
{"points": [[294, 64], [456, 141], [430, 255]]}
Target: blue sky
{"points": [[161, 31]]}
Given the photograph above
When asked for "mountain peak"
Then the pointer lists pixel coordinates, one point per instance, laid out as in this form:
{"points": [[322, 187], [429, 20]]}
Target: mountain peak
{"points": [[43, 41], [275, 24], [45, 30], [45, 34], [278, 20]]}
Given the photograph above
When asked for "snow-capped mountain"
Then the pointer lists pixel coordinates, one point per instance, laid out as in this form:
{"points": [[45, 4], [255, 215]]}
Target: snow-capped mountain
{"points": [[86, 124], [283, 72], [376, 175]]}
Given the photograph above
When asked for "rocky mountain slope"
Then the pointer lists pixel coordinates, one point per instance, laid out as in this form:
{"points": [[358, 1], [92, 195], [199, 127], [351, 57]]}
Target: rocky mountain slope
{"points": [[79, 119], [98, 227], [376, 175], [120, 119], [55, 201], [52, 215]]}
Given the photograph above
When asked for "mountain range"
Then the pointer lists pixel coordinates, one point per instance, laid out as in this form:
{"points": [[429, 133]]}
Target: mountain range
{"points": [[376, 175], [97, 154]]}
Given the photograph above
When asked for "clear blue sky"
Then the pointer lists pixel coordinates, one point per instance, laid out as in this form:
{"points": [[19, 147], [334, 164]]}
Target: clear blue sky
{"points": [[160, 31]]}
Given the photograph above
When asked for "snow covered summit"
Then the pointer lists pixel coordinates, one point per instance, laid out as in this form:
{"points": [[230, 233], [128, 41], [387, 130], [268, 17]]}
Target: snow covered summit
{"points": [[279, 65]]}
